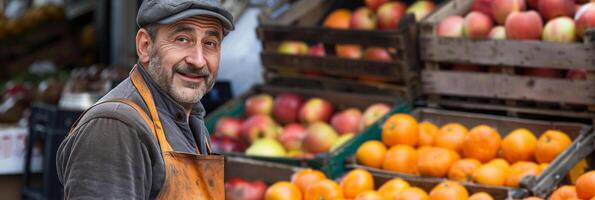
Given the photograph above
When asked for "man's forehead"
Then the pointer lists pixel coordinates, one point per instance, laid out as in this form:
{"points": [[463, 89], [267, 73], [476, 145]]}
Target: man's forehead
{"points": [[200, 21]]}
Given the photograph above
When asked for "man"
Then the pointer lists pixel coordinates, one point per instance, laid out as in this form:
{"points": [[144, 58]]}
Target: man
{"points": [[146, 139]]}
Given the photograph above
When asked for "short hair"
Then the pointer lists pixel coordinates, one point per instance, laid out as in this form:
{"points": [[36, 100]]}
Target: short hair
{"points": [[152, 30]]}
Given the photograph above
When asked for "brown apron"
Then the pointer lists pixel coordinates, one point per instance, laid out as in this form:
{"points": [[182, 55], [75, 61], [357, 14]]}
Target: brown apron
{"points": [[187, 176]]}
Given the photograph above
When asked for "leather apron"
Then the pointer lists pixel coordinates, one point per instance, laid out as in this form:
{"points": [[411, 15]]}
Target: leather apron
{"points": [[187, 175]]}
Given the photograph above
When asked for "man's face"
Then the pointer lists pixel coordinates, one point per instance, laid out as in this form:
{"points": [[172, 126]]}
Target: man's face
{"points": [[185, 58]]}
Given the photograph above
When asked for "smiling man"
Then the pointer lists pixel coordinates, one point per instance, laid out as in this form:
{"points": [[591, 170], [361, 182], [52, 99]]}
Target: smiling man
{"points": [[146, 139]]}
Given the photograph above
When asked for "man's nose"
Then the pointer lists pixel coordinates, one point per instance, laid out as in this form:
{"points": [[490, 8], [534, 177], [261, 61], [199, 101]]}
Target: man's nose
{"points": [[196, 56]]}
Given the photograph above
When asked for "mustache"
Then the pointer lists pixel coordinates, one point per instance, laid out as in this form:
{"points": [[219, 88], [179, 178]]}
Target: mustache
{"points": [[186, 69]]}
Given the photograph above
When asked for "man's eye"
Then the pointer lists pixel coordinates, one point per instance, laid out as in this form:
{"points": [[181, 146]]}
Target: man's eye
{"points": [[211, 44], [182, 39]]}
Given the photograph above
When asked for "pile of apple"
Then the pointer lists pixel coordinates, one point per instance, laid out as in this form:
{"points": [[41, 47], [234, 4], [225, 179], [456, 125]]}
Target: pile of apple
{"points": [[291, 126], [563, 21], [375, 15]]}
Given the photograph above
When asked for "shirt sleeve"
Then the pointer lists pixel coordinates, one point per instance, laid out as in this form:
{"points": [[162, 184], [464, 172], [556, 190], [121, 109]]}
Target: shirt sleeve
{"points": [[105, 159]]}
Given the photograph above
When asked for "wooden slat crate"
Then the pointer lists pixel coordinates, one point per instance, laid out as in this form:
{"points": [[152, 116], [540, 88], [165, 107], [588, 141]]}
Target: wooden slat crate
{"points": [[300, 22], [503, 88]]}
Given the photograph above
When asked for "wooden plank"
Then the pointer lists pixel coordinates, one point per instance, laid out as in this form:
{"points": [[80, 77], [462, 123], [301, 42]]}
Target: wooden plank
{"points": [[333, 36], [455, 7], [295, 11], [333, 65], [508, 87]]}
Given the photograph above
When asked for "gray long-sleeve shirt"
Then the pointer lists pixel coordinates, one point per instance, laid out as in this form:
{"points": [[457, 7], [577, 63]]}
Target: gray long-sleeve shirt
{"points": [[112, 153]]}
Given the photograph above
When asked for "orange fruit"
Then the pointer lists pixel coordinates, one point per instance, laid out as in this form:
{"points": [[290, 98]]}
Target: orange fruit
{"points": [[324, 190], [436, 161], [550, 144], [413, 193], [564, 193], [519, 170], [543, 166], [283, 191], [519, 145], [350, 51], [462, 169], [490, 174], [448, 190], [400, 129], [392, 188], [371, 153], [451, 136], [356, 181], [500, 162], [481, 196], [338, 19], [585, 185], [427, 131], [370, 195], [401, 158], [532, 198], [305, 178], [481, 143]]}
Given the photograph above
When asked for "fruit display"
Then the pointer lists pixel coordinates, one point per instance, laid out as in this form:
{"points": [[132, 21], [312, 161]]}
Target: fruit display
{"points": [[31, 18], [584, 188], [291, 125]]}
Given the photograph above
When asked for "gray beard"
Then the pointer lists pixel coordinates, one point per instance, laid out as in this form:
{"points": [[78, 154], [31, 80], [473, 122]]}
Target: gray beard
{"points": [[165, 82]]}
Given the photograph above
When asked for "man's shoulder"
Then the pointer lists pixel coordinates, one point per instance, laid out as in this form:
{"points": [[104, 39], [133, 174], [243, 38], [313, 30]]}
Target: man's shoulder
{"points": [[115, 111]]}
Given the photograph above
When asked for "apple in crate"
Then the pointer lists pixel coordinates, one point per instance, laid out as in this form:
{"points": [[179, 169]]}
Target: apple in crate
{"points": [[342, 140], [373, 113], [293, 48], [374, 4], [451, 26], [484, 6], [477, 25], [317, 50], [524, 26], [259, 104], [228, 126], [550, 9], [258, 126], [497, 33], [286, 107], [585, 19], [315, 110], [559, 29], [389, 15], [421, 9], [377, 54], [266, 147], [347, 121], [350, 51], [222, 144], [501, 9], [292, 137], [239, 189], [363, 18], [577, 74], [320, 137]]}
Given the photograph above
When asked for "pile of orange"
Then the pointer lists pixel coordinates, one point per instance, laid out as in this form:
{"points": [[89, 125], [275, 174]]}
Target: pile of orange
{"points": [[583, 189], [358, 184], [478, 154]]}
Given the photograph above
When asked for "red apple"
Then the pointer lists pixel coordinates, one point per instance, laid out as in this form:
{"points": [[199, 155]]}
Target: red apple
{"points": [[374, 4], [293, 48], [292, 136], [550, 9], [363, 18], [315, 110], [222, 144], [543, 72], [484, 6], [421, 9], [559, 29], [389, 15], [585, 19], [240, 189], [477, 25], [320, 137], [259, 104], [347, 121], [258, 126], [228, 126], [524, 26], [466, 68], [373, 113], [350, 51], [286, 107], [317, 50], [451, 26], [502, 8], [498, 33], [377, 54], [577, 74]]}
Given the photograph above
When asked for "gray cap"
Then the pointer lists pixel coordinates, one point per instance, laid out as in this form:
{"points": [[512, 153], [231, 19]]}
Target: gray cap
{"points": [[171, 11]]}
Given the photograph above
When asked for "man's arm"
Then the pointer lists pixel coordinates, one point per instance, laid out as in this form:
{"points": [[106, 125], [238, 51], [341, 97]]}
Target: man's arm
{"points": [[105, 158]]}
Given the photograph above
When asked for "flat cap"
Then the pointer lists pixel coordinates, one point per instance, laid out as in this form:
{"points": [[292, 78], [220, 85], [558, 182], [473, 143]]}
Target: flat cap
{"points": [[171, 11]]}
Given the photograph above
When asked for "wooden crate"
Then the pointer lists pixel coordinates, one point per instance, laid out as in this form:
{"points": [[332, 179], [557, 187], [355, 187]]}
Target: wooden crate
{"points": [[300, 22], [503, 88]]}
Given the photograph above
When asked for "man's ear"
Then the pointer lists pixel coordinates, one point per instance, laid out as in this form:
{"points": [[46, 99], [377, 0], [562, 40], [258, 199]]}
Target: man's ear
{"points": [[143, 46]]}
